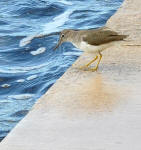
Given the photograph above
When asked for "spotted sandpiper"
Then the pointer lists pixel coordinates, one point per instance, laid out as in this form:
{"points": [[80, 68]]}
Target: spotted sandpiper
{"points": [[91, 41]]}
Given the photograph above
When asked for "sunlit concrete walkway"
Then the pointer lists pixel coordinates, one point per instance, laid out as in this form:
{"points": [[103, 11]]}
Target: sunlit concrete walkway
{"points": [[91, 110]]}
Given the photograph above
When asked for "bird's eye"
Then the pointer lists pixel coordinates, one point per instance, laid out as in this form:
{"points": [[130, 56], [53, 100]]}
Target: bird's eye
{"points": [[62, 35]]}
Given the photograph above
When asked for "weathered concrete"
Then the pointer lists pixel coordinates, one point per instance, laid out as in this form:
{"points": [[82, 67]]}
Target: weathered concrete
{"points": [[91, 111]]}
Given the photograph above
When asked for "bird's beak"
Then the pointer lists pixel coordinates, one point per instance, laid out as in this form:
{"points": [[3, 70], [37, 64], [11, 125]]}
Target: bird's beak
{"points": [[59, 43]]}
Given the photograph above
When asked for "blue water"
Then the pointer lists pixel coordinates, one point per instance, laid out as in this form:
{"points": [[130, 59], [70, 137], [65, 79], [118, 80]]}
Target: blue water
{"points": [[28, 68]]}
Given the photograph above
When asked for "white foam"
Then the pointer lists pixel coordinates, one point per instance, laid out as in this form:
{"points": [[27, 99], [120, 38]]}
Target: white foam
{"points": [[38, 51], [57, 22], [21, 69], [72, 53], [65, 2], [20, 80], [5, 85], [21, 96], [26, 40], [32, 77], [5, 101]]}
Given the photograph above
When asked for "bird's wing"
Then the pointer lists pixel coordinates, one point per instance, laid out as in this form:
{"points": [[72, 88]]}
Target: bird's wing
{"points": [[99, 36]]}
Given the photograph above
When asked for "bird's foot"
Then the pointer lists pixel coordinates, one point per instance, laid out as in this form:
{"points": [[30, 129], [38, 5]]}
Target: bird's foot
{"points": [[73, 65], [93, 69], [85, 67]]}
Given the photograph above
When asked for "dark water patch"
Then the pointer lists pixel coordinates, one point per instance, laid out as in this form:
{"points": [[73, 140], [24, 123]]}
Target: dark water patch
{"points": [[81, 14], [3, 133], [32, 88], [9, 121], [3, 23], [5, 90], [35, 12], [46, 87], [7, 79], [9, 41], [1, 138], [20, 113]]}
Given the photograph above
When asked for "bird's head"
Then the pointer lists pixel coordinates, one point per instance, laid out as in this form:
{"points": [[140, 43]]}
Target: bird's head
{"points": [[65, 36]]}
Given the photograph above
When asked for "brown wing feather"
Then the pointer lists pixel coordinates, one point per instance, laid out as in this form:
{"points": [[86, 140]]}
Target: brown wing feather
{"points": [[98, 37]]}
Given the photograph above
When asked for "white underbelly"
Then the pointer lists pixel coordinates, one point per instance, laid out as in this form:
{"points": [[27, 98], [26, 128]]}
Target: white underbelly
{"points": [[92, 49]]}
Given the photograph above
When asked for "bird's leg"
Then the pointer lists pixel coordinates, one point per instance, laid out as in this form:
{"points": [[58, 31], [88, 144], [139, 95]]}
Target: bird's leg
{"points": [[95, 68], [83, 67], [92, 61]]}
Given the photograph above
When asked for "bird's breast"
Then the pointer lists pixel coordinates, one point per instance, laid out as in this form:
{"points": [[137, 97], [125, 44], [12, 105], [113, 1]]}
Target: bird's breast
{"points": [[87, 47]]}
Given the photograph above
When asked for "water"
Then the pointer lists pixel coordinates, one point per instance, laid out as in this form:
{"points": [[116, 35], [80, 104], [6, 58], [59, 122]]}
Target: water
{"points": [[28, 66]]}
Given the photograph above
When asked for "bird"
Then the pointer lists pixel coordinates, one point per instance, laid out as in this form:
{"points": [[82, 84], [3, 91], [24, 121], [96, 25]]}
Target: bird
{"points": [[90, 41]]}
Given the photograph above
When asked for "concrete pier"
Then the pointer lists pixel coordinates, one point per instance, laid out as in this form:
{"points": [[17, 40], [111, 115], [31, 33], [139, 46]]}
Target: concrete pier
{"points": [[91, 110]]}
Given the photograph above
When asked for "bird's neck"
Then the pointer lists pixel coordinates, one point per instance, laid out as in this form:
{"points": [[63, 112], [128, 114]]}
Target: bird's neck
{"points": [[75, 39]]}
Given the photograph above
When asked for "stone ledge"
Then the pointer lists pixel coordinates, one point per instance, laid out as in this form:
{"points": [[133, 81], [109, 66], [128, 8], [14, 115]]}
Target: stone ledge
{"points": [[91, 110]]}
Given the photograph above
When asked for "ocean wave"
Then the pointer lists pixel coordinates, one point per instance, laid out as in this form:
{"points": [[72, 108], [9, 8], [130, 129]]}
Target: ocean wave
{"points": [[21, 69], [57, 22], [66, 2], [36, 11], [48, 27]]}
